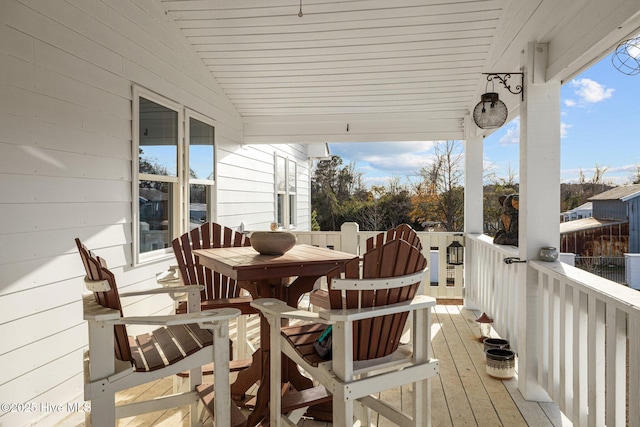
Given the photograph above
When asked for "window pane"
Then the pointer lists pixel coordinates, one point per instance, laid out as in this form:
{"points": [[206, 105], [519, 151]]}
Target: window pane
{"points": [[292, 177], [155, 199], [280, 210], [281, 181], [158, 138], [199, 205], [200, 150], [292, 209]]}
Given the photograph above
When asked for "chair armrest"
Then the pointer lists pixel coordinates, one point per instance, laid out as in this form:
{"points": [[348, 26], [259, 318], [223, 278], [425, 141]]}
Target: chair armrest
{"points": [[353, 314], [278, 308], [182, 319], [165, 290], [378, 283], [95, 312]]}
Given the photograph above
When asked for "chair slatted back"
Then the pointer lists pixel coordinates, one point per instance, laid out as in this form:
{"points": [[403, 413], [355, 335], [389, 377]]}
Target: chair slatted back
{"points": [[403, 231], [208, 235], [96, 269], [380, 336]]}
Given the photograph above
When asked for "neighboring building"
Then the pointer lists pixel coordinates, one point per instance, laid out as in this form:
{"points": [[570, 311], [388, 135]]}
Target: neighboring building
{"points": [[612, 231], [591, 237], [582, 211]]}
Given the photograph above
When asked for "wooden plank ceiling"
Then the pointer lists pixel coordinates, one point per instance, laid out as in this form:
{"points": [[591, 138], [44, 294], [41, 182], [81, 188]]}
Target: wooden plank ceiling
{"points": [[379, 58]]}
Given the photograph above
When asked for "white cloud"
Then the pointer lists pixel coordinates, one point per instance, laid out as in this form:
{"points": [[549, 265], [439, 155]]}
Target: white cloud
{"points": [[370, 181], [395, 158], [404, 163], [589, 91], [570, 103], [512, 137]]}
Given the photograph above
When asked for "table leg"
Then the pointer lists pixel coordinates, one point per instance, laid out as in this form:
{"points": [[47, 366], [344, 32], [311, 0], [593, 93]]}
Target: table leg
{"points": [[247, 377], [261, 358], [254, 374]]}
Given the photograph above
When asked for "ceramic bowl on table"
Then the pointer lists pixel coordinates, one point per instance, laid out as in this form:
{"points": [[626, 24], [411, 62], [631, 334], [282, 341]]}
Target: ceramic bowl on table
{"points": [[272, 242]]}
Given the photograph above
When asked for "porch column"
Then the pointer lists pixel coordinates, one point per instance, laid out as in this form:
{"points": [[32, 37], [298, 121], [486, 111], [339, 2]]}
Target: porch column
{"points": [[539, 220], [473, 193]]}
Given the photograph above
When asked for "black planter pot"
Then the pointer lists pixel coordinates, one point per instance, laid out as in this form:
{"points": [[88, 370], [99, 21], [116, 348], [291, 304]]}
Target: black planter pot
{"points": [[501, 363], [490, 343]]}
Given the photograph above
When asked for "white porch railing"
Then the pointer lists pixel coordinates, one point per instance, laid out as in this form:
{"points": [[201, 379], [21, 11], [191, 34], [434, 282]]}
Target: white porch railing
{"points": [[446, 281], [493, 284], [588, 331]]}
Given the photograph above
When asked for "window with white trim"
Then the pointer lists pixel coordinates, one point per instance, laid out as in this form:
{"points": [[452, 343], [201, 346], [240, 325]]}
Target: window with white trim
{"points": [[286, 189], [174, 178], [201, 171]]}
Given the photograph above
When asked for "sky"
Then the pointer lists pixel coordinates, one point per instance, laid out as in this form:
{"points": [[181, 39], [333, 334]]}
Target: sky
{"points": [[600, 126]]}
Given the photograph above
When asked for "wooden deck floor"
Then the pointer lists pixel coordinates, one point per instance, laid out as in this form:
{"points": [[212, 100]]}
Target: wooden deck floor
{"points": [[462, 395]]}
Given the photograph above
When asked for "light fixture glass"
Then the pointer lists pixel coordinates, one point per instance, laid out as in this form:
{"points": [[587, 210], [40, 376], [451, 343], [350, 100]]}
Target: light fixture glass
{"points": [[490, 113], [455, 253], [484, 323]]}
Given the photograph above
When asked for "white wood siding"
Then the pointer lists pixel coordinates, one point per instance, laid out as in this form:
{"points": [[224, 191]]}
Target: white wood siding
{"points": [[246, 188], [66, 72]]}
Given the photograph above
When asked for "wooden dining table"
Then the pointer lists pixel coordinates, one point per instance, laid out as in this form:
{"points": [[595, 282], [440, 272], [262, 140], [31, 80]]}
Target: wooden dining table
{"points": [[286, 277]]}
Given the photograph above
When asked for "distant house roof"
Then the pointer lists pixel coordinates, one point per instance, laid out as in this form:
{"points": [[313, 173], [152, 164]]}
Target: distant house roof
{"points": [[583, 207], [586, 224], [624, 193]]}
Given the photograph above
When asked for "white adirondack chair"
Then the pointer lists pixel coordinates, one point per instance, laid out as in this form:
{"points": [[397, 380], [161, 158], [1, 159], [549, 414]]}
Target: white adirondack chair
{"points": [[367, 356], [116, 361]]}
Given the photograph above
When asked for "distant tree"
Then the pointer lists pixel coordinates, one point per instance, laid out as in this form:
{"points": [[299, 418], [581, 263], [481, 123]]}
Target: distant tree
{"points": [[597, 182], [314, 221], [337, 193], [396, 203], [574, 195], [151, 166], [508, 181], [571, 196], [635, 179], [372, 215], [439, 195], [501, 186]]}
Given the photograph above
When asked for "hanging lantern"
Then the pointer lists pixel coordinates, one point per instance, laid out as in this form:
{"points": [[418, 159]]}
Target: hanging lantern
{"points": [[490, 112], [455, 253], [626, 57]]}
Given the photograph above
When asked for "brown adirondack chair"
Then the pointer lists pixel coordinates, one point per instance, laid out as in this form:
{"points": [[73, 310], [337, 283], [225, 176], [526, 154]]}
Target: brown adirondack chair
{"points": [[219, 290], [319, 298], [116, 361], [403, 231], [368, 313]]}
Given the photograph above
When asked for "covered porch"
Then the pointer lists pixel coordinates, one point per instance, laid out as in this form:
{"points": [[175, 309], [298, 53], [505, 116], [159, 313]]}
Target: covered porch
{"points": [[586, 330], [278, 82], [463, 393]]}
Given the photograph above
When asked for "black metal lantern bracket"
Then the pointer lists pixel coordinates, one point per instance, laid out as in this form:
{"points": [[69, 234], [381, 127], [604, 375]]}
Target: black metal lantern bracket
{"points": [[504, 79]]}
